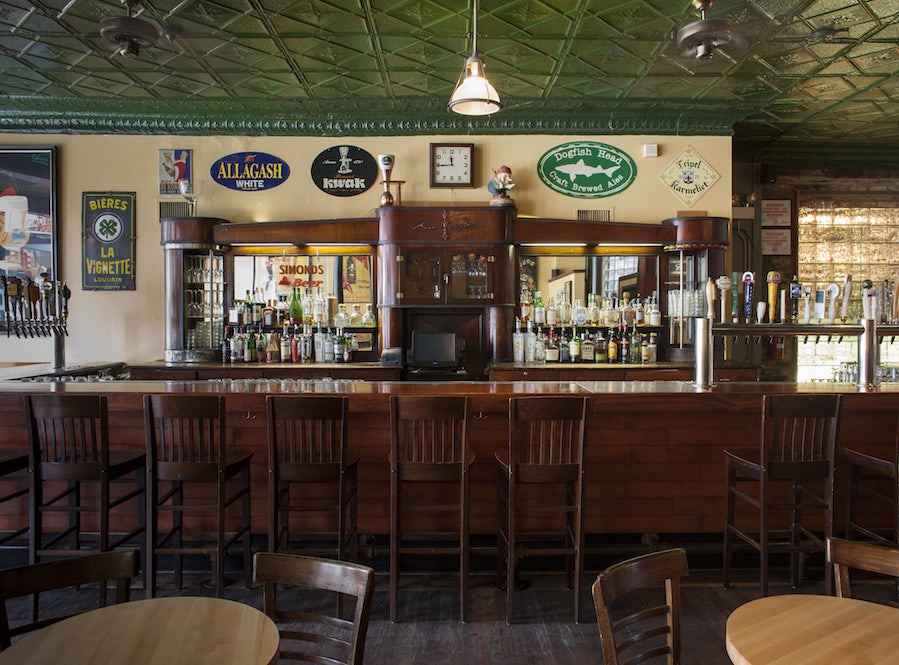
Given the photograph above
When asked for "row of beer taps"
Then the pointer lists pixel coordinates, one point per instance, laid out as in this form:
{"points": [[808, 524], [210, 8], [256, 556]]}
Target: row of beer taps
{"points": [[36, 307]]}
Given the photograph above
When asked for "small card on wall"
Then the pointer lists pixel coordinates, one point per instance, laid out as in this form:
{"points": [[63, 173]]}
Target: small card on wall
{"points": [[776, 242], [776, 212]]}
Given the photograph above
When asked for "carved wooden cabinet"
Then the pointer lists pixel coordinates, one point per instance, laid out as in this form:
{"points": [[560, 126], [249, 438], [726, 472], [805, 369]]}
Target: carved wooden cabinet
{"points": [[449, 269]]}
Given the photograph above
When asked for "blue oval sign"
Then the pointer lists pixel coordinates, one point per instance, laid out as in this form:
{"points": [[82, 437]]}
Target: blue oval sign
{"points": [[587, 169], [249, 171]]}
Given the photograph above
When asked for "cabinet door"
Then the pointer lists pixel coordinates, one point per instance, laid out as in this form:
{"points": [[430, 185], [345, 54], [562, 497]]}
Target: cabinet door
{"points": [[470, 277], [420, 273], [202, 295]]}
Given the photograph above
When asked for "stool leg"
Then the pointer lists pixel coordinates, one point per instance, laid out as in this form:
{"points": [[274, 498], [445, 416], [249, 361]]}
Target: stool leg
{"points": [[394, 543], [247, 530], [728, 523]]}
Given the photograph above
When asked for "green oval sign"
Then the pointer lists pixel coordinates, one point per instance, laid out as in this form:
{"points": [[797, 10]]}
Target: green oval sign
{"points": [[587, 169]]}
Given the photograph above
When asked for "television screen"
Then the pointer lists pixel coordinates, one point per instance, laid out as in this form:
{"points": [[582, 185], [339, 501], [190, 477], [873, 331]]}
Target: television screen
{"points": [[434, 349]]}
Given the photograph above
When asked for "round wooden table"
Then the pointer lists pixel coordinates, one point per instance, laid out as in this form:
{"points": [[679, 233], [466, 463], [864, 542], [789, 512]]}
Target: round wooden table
{"points": [[183, 630], [811, 630]]}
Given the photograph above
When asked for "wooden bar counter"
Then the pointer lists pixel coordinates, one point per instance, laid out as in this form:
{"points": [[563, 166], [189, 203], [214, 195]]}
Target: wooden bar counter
{"points": [[655, 462]]}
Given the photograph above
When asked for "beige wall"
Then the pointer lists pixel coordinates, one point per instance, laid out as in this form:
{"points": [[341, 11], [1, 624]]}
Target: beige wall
{"points": [[128, 325]]}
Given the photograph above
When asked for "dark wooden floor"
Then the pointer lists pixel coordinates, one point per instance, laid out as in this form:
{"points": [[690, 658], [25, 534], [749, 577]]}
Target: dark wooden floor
{"points": [[429, 631]]}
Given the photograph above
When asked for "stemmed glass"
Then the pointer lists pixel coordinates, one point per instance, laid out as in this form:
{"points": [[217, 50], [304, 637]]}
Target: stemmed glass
{"points": [[191, 190]]}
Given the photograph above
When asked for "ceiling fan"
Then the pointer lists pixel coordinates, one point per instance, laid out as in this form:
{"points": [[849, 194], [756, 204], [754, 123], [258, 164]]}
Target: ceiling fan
{"points": [[701, 38], [129, 33]]}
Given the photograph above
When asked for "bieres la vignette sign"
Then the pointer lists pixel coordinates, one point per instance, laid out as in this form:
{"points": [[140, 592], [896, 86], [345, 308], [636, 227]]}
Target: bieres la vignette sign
{"points": [[587, 169]]}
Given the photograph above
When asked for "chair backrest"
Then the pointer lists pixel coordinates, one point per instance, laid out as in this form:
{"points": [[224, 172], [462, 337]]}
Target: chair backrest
{"points": [[305, 429], [319, 631], [547, 431], [118, 565], [850, 554], [647, 632], [184, 430], [799, 434], [69, 430], [428, 429]]}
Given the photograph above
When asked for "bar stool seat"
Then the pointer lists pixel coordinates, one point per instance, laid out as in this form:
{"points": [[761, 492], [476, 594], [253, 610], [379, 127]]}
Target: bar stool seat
{"points": [[187, 461], [312, 480], [69, 449], [797, 448], [540, 486]]}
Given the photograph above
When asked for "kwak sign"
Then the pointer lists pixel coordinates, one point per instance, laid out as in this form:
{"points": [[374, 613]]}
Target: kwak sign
{"points": [[107, 241], [344, 171], [587, 170], [249, 171]]}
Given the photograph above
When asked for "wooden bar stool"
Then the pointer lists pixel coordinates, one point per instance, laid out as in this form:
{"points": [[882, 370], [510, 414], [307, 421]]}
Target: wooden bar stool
{"points": [[797, 447], [429, 452], [541, 489], [68, 450], [186, 451], [311, 476]]}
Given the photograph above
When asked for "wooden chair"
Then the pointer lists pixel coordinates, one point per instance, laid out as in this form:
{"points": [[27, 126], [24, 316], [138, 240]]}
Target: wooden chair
{"points": [[312, 635], [541, 489], [428, 453], [636, 637], [14, 472], [310, 475], [797, 447], [849, 554], [36, 578], [68, 449], [187, 460]]}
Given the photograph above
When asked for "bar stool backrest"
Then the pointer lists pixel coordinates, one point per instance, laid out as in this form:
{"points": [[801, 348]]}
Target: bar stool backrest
{"points": [[799, 435], [307, 430], [68, 434], [184, 431], [428, 429], [547, 431]]}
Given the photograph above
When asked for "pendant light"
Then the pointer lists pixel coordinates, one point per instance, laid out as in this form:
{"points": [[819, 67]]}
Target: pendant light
{"points": [[474, 95]]}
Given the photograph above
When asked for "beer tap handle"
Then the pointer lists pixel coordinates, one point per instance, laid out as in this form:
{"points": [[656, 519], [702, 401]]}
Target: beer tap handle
{"points": [[65, 293], [25, 301], [14, 290], [6, 304]]}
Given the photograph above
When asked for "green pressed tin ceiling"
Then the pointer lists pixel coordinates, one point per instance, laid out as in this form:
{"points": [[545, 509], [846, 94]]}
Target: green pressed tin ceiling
{"points": [[388, 67]]}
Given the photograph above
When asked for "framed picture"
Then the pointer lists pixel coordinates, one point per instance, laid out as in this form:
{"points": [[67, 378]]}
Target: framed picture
{"points": [[28, 212]]}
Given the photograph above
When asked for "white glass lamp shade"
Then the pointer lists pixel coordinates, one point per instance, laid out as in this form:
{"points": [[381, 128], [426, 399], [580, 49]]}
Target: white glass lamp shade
{"points": [[474, 95]]}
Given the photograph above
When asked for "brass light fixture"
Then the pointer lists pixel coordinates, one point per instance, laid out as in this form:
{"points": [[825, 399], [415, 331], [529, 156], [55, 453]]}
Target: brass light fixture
{"points": [[474, 95]]}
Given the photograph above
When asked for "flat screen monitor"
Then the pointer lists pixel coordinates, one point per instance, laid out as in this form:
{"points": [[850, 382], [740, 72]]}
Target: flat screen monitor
{"points": [[434, 349]]}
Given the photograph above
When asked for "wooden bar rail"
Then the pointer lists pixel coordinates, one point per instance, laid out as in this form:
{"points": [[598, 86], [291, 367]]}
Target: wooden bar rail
{"points": [[654, 448]]}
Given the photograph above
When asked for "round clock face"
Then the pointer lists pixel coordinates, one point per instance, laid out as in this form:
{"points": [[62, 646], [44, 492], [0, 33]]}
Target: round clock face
{"points": [[451, 165]]}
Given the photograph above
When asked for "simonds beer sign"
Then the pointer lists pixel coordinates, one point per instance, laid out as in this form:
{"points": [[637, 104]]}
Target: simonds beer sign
{"points": [[249, 171]]}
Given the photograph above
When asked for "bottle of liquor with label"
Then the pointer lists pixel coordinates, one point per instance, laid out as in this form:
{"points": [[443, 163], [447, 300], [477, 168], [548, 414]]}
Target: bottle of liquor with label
{"points": [[295, 307], [525, 304], [588, 348], [530, 343], [517, 343], [552, 314], [540, 348], [612, 350], [639, 312], [580, 313], [249, 346], [552, 347], [574, 346], [624, 345], [600, 349], [564, 349], [592, 310], [539, 309], [286, 345]]}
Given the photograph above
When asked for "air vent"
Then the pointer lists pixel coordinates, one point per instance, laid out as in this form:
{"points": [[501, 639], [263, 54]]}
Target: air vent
{"points": [[594, 215], [174, 209]]}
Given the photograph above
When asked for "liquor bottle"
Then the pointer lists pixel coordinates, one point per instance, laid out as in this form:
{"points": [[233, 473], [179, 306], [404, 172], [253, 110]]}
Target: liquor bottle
{"points": [[319, 308], [574, 346], [646, 350], [342, 318], [356, 317], [624, 345], [539, 310], [540, 348], [261, 343], [636, 346], [307, 306], [655, 314], [368, 319], [517, 343], [281, 310], [273, 348], [564, 349], [306, 347], [564, 306], [329, 347], [226, 345], [653, 348], [249, 346], [580, 313], [552, 314], [627, 311], [530, 343], [612, 347], [268, 313], [248, 308], [319, 345], [525, 305], [639, 312], [588, 348], [552, 347], [286, 346], [600, 349], [295, 307], [592, 310], [237, 346]]}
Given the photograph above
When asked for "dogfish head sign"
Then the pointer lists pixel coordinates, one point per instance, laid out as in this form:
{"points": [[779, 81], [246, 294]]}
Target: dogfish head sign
{"points": [[344, 171], [587, 169]]}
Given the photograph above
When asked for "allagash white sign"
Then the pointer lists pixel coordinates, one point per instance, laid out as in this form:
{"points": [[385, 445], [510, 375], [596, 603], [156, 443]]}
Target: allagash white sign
{"points": [[249, 171], [587, 169]]}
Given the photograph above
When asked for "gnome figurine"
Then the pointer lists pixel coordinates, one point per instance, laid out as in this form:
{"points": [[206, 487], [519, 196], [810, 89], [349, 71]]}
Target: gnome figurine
{"points": [[499, 186]]}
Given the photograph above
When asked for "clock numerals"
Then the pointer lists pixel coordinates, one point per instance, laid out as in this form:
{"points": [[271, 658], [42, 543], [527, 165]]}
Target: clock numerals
{"points": [[451, 165]]}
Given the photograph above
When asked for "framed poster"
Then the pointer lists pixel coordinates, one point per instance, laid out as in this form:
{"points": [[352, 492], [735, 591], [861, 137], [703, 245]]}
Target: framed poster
{"points": [[28, 212], [107, 241], [174, 164], [776, 212], [776, 242]]}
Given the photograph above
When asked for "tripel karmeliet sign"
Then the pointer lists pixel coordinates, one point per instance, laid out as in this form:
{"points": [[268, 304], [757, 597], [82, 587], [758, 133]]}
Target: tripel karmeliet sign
{"points": [[587, 169]]}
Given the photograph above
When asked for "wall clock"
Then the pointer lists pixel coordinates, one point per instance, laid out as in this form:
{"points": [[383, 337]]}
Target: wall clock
{"points": [[452, 165]]}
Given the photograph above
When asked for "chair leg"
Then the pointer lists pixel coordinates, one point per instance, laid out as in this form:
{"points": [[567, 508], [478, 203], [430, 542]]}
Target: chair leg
{"points": [[795, 534], [511, 555], [247, 531], [178, 526], [219, 559], [394, 545], [728, 523], [763, 538], [150, 537], [464, 552]]}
